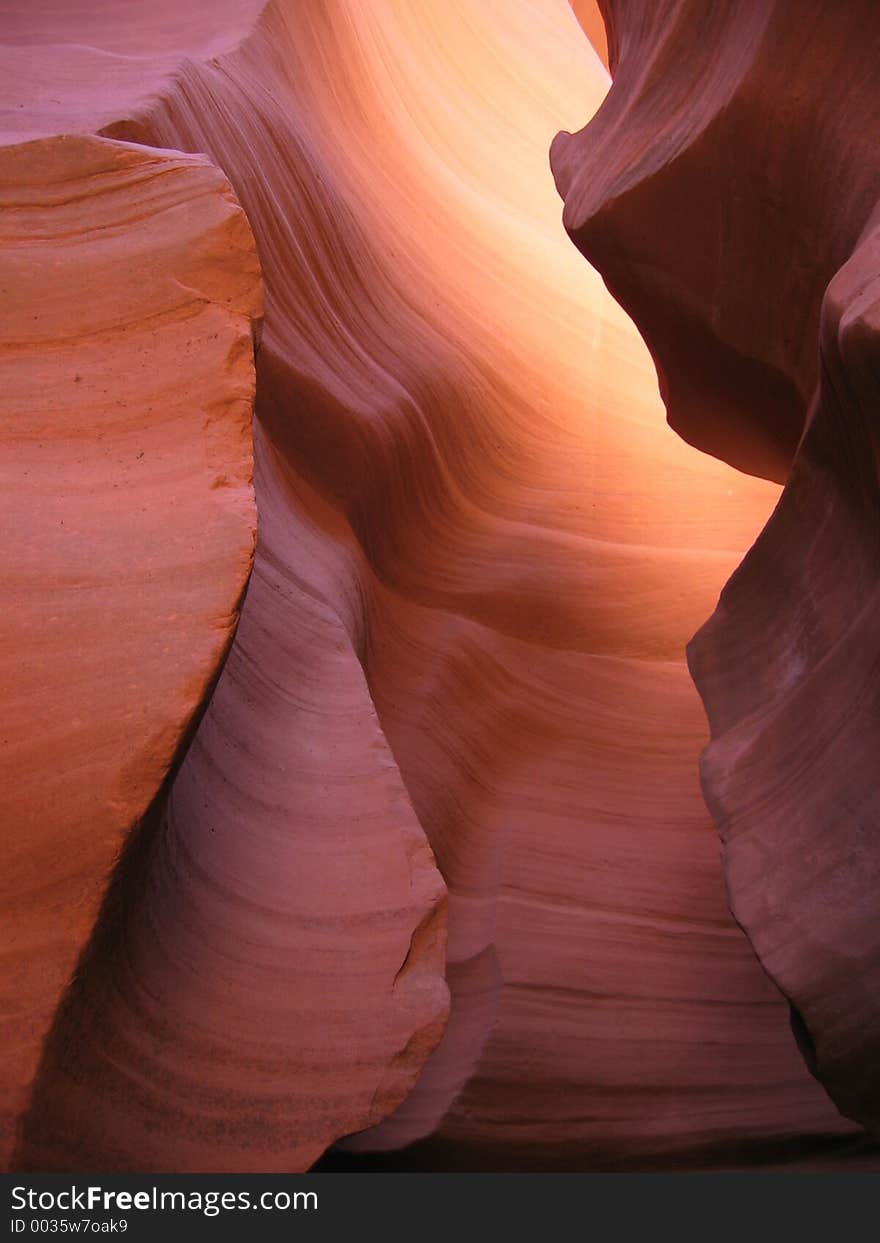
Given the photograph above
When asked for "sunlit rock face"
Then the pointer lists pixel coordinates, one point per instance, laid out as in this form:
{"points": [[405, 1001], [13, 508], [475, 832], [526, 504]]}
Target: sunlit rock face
{"points": [[728, 191], [461, 655], [131, 290], [592, 23]]}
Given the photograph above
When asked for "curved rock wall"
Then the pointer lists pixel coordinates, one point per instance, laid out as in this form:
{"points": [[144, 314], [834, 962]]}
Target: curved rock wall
{"points": [[481, 554], [728, 191]]}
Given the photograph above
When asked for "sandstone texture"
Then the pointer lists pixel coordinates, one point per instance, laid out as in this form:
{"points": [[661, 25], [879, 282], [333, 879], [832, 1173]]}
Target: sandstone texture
{"points": [[436, 868], [131, 289], [728, 192]]}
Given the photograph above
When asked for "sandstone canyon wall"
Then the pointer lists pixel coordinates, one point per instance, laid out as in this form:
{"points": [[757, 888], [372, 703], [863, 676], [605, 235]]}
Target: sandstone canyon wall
{"points": [[728, 190], [435, 865], [129, 519]]}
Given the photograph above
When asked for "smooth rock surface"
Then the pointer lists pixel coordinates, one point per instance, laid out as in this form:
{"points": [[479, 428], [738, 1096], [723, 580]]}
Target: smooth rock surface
{"points": [[268, 972], [524, 550], [131, 289], [476, 526], [728, 192]]}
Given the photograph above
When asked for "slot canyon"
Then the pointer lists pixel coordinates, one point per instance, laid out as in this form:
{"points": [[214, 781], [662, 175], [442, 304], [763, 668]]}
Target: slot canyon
{"points": [[440, 681]]}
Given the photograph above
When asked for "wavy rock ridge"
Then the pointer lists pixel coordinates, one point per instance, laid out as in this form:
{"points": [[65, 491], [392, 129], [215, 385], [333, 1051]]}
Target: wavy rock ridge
{"points": [[480, 556], [759, 243]]}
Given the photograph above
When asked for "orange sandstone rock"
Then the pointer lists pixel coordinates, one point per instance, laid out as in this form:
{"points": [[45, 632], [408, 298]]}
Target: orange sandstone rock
{"points": [[131, 289], [481, 555]]}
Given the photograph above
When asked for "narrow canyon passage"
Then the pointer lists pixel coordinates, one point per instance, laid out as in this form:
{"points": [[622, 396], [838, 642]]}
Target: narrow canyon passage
{"points": [[481, 554]]}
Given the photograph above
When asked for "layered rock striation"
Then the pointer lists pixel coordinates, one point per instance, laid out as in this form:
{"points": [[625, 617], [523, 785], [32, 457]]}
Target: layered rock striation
{"points": [[481, 554], [728, 191], [131, 292]]}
